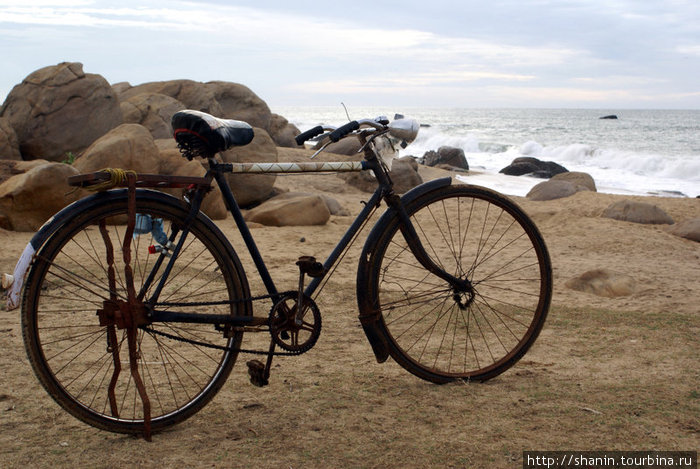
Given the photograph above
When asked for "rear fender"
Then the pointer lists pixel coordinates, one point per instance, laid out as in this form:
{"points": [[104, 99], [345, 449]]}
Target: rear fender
{"points": [[54, 223]]}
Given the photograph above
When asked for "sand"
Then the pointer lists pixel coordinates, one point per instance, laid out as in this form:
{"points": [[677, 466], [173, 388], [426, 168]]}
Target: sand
{"points": [[606, 373]]}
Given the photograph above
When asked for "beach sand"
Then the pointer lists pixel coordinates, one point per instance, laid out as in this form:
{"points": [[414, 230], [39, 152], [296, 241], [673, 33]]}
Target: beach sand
{"points": [[606, 373]]}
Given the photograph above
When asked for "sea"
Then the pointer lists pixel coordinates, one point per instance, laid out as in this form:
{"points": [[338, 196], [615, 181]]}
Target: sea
{"points": [[642, 152]]}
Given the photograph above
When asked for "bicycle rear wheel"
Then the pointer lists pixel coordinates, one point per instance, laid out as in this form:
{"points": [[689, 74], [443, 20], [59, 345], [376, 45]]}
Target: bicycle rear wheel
{"points": [[75, 358], [441, 334]]}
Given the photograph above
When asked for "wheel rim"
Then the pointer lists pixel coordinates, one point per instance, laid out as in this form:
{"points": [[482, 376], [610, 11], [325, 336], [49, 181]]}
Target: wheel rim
{"points": [[473, 333], [74, 355]]}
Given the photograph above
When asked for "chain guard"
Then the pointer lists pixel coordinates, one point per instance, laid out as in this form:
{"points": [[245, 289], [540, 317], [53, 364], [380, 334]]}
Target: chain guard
{"points": [[286, 333]]}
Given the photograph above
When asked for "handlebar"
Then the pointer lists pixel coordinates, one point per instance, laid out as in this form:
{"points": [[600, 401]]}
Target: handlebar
{"points": [[311, 133], [337, 133], [343, 130]]}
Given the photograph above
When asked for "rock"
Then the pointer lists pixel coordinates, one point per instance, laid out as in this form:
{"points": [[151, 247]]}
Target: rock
{"points": [[129, 146], [446, 155], [603, 282], [404, 174], [9, 145], [173, 163], [689, 229], [290, 210], [637, 212], [153, 111], [60, 109], [333, 205], [250, 189], [577, 179], [282, 132], [27, 200], [611, 116], [528, 165], [552, 189], [121, 87], [219, 98], [347, 146]]}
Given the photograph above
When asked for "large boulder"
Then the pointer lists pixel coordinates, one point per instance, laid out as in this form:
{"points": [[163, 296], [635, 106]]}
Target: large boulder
{"points": [[446, 155], [251, 189], [603, 282], [9, 145], [404, 175], [637, 212], [528, 165], [219, 98], [282, 132], [290, 210], [153, 111], [60, 109], [27, 200], [129, 146], [346, 146], [172, 163]]}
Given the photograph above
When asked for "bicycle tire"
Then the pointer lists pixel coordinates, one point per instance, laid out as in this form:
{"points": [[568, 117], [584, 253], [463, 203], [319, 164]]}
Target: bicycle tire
{"points": [[69, 350], [429, 329]]}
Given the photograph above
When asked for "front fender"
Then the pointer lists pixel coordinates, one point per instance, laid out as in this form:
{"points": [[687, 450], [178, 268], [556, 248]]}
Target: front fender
{"points": [[369, 313]]}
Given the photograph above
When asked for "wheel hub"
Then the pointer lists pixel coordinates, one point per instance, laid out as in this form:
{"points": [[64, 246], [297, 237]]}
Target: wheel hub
{"points": [[464, 296]]}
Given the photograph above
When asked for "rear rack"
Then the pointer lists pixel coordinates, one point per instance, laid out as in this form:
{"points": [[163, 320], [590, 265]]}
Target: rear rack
{"points": [[109, 178]]}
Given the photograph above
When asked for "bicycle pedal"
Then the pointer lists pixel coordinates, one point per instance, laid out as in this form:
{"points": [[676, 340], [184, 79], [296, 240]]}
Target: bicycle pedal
{"points": [[256, 371], [309, 266]]}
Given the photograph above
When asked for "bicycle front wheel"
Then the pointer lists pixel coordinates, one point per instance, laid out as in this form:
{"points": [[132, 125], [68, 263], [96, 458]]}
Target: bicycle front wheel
{"points": [[85, 366], [436, 331]]}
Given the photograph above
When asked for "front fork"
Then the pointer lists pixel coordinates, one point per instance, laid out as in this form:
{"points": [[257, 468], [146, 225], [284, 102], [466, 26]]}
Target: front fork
{"points": [[418, 250]]}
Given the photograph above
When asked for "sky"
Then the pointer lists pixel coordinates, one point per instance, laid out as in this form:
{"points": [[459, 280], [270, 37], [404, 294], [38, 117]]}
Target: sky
{"points": [[609, 54]]}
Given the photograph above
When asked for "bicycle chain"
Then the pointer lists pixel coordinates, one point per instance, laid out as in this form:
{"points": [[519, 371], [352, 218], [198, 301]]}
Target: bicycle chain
{"points": [[214, 346]]}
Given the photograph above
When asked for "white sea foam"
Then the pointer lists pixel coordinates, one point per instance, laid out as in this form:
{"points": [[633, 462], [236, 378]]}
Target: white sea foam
{"points": [[644, 152]]}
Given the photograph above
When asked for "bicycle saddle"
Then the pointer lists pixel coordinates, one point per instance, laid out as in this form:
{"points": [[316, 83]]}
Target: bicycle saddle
{"points": [[200, 134]]}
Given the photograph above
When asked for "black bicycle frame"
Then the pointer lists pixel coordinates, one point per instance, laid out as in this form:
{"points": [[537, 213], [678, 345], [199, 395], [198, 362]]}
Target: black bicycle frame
{"points": [[384, 191]]}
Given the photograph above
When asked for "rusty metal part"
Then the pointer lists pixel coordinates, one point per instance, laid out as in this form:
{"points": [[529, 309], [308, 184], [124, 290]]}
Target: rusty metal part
{"points": [[284, 329], [112, 345], [142, 180]]}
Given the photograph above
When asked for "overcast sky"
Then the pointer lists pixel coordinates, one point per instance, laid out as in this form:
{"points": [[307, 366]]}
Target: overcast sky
{"points": [[457, 53]]}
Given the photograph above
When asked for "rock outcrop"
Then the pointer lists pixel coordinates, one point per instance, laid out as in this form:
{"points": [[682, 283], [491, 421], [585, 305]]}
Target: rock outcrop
{"points": [[153, 111], [250, 189], [129, 146], [60, 109], [404, 175], [27, 200], [219, 98], [9, 145]]}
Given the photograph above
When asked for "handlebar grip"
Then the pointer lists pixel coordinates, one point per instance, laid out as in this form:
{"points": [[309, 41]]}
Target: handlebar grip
{"points": [[343, 130], [311, 133]]}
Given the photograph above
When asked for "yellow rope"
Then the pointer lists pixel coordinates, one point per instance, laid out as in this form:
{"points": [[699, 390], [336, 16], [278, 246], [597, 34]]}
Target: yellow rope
{"points": [[117, 176]]}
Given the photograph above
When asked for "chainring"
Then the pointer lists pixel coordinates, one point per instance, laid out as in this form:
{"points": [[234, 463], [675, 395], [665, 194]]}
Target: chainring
{"points": [[289, 335]]}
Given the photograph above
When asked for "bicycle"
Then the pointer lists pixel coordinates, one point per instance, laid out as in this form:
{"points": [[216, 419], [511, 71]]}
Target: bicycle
{"points": [[454, 282]]}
